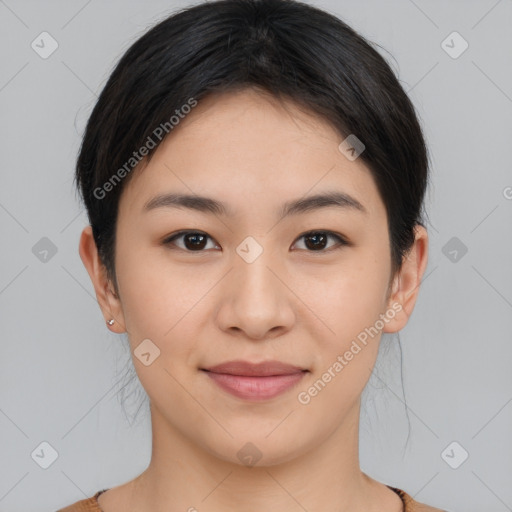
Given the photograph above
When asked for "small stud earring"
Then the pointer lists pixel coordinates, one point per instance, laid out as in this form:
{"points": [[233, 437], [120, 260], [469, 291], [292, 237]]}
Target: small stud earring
{"points": [[110, 322]]}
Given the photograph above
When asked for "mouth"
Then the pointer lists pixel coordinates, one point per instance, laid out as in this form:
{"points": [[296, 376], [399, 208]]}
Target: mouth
{"points": [[255, 381]]}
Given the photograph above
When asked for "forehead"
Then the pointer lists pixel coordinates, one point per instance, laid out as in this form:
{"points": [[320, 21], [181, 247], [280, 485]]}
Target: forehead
{"points": [[248, 147]]}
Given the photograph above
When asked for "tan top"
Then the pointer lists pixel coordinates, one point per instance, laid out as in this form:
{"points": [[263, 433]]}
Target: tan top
{"points": [[91, 504]]}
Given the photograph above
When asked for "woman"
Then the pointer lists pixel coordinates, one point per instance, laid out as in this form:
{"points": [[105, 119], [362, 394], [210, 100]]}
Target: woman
{"points": [[254, 177]]}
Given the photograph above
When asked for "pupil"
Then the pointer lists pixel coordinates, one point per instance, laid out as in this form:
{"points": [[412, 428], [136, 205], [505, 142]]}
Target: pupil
{"points": [[317, 237], [196, 244]]}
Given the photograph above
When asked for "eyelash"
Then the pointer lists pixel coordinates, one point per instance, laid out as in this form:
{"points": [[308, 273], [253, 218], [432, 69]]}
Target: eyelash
{"points": [[341, 240]]}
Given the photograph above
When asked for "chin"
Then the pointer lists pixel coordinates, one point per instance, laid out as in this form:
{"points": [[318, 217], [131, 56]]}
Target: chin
{"points": [[247, 450]]}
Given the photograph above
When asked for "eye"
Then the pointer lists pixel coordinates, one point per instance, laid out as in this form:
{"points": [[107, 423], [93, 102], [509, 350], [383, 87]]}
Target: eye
{"points": [[317, 240], [194, 241]]}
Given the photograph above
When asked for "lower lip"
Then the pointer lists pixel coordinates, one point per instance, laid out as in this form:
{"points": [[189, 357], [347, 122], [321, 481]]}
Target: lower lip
{"points": [[255, 388]]}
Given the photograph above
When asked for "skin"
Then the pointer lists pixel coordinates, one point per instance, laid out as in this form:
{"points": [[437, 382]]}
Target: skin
{"points": [[292, 304]]}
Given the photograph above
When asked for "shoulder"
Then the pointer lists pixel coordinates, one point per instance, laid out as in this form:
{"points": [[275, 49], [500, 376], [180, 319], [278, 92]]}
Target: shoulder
{"points": [[421, 507], [86, 505], [411, 505]]}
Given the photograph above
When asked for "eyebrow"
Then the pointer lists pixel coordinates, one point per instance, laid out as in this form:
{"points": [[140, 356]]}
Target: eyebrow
{"points": [[297, 206]]}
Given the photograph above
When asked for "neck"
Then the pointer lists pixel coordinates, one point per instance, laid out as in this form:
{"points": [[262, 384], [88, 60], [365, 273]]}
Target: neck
{"points": [[185, 476]]}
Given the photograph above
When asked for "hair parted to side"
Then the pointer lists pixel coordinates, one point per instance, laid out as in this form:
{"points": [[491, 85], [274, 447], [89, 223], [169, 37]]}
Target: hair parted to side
{"points": [[286, 48]]}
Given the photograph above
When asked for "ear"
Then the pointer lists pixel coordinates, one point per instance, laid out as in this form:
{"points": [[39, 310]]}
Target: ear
{"points": [[406, 283], [108, 300]]}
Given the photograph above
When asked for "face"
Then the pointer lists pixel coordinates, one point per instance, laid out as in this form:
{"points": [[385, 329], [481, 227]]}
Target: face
{"points": [[311, 289]]}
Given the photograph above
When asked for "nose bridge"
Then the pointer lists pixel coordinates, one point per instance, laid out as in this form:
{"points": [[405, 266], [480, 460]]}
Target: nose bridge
{"points": [[252, 271]]}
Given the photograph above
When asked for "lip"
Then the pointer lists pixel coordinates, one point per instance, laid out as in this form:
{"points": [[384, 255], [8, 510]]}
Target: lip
{"points": [[255, 381], [248, 369]]}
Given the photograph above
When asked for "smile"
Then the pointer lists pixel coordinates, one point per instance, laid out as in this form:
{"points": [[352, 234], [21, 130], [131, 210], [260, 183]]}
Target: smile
{"points": [[255, 388], [255, 382]]}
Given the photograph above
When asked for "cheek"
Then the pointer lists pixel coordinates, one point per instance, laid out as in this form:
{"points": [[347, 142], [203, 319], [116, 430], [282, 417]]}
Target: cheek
{"points": [[349, 303], [160, 301], [150, 295], [353, 295]]}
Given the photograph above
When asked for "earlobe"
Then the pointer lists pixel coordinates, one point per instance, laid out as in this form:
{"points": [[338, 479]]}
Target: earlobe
{"points": [[108, 301], [407, 282]]}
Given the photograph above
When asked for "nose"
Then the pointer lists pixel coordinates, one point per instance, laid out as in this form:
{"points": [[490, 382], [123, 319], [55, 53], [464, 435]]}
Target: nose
{"points": [[256, 301]]}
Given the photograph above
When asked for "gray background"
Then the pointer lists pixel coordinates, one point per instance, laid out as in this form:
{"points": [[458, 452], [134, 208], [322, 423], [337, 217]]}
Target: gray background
{"points": [[60, 368]]}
